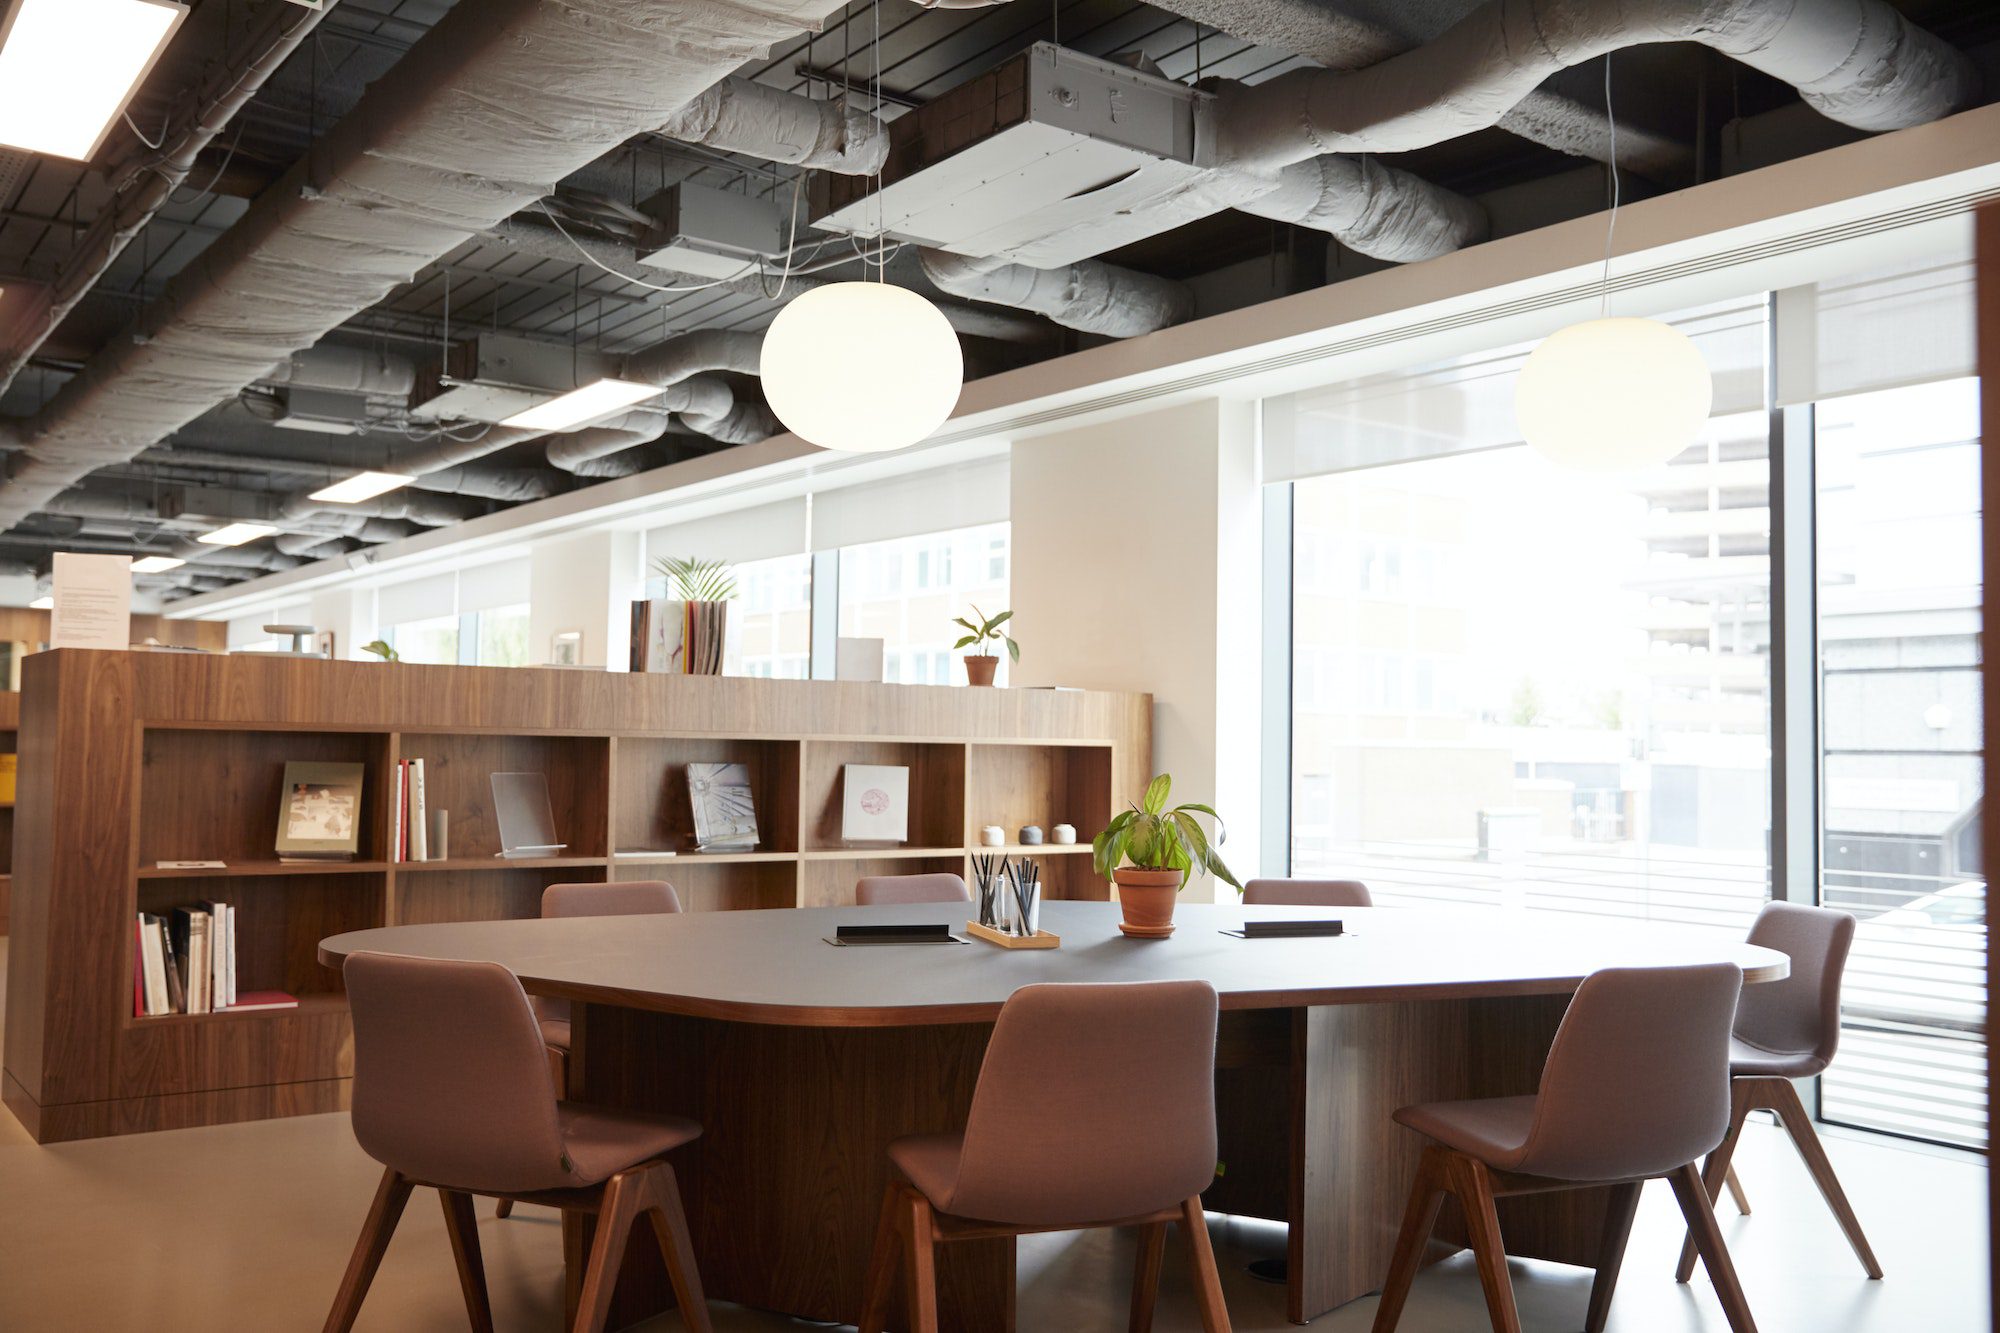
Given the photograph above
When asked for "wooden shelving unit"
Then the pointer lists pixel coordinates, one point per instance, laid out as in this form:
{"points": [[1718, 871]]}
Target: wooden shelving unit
{"points": [[10, 724], [139, 758]]}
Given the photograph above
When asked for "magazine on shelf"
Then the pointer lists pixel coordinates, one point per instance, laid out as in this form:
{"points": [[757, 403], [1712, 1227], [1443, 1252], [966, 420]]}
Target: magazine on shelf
{"points": [[724, 810], [319, 812]]}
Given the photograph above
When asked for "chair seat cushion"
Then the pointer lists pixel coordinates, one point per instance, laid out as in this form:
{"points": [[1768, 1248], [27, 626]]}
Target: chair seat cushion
{"points": [[602, 1142], [555, 1033], [1493, 1129], [930, 1162], [1747, 1061]]}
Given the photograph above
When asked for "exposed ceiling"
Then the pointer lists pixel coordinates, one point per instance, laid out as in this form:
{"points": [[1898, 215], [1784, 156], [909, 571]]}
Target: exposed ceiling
{"points": [[112, 448]]}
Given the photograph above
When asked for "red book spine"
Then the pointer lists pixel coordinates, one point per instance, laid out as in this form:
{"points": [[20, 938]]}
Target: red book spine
{"points": [[138, 972]]}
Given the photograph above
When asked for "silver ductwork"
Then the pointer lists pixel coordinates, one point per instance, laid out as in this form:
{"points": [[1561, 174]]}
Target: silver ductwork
{"points": [[477, 121], [1373, 209], [1857, 61], [741, 116], [1092, 295]]}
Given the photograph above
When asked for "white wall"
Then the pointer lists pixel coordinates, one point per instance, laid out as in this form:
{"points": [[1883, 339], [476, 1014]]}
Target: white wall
{"points": [[1136, 566], [585, 583]]}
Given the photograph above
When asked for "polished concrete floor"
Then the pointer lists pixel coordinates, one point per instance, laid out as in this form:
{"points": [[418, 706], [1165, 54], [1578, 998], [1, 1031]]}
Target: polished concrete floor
{"points": [[247, 1227]]}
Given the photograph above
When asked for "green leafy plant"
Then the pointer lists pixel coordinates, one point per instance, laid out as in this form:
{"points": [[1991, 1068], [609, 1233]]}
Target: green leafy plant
{"points": [[694, 580], [1150, 836], [986, 633], [382, 650]]}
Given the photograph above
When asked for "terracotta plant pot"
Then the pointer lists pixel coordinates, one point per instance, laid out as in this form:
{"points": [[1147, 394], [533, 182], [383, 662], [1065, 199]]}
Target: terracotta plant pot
{"points": [[979, 669], [1147, 899]]}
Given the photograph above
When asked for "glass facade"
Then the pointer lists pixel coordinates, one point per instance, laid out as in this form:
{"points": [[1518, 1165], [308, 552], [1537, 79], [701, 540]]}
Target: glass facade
{"points": [[907, 592]]}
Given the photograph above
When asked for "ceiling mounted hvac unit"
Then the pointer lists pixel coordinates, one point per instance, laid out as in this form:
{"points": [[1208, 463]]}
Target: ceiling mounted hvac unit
{"points": [[711, 233], [494, 376], [1050, 158]]}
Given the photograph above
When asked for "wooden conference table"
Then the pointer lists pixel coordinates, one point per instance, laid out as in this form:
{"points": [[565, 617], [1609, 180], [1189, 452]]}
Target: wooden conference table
{"points": [[803, 1060]]}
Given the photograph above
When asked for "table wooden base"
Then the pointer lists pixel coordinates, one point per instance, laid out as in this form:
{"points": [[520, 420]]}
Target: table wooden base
{"points": [[784, 1185]]}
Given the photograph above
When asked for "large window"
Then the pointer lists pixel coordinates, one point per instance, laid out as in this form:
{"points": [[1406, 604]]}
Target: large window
{"points": [[907, 593], [770, 631], [1899, 605], [1519, 685]]}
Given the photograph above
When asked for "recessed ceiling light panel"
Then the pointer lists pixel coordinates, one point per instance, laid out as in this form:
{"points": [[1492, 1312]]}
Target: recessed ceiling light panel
{"points": [[69, 67], [580, 407], [235, 534], [361, 486], [156, 564]]}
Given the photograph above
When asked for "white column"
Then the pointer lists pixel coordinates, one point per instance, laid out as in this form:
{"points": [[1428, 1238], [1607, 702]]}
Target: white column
{"points": [[587, 583], [1137, 566]]}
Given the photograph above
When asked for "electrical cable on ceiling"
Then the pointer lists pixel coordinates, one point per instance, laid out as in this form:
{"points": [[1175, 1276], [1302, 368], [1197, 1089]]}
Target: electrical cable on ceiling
{"points": [[1611, 228], [140, 134], [745, 272]]}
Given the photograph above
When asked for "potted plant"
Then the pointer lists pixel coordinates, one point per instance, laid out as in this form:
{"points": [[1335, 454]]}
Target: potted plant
{"points": [[1149, 851], [980, 666], [382, 650], [685, 633]]}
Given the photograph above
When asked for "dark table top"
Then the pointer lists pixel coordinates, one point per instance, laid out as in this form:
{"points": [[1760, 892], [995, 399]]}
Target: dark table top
{"points": [[774, 966]]}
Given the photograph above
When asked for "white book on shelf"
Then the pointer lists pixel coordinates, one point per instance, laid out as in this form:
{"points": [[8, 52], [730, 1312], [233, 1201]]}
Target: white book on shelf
{"points": [[232, 953], [153, 960], [222, 951], [402, 799], [420, 839], [201, 965]]}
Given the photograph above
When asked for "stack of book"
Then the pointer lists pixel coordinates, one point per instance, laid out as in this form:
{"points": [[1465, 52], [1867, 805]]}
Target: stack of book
{"points": [[413, 822], [683, 638], [184, 962]]}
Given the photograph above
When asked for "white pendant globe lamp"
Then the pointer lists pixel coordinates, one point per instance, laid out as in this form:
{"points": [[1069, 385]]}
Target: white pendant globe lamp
{"points": [[862, 367], [1613, 395]]}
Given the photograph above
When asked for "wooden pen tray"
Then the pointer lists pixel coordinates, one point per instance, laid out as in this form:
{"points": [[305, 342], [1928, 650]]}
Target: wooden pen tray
{"points": [[1041, 939]]}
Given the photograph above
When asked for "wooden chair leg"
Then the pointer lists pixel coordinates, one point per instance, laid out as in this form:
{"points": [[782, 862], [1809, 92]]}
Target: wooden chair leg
{"points": [[1784, 1099], [383, 1214], [624, 1198], [1618, 1216], [1207, 1280], [576, 1255], [1471, 1182], [677, 1247], [920, 1263], [1146, 1275], [1693, 1197], [1736, 1194], [1419, 1220], [1718, 1169], [503, 1209], [462, 1226], [882, 1262]]}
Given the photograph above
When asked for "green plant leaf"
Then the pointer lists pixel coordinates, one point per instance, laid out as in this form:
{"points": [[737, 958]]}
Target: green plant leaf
{"points": [[1156, 794], [1000, 620], [970, 638], [697, 580], [1221, 833], [961, 620], [1013, 650]]}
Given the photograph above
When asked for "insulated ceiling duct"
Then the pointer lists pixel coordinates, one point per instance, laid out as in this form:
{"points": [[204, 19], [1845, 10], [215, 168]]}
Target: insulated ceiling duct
{"points": [[477, 121]]}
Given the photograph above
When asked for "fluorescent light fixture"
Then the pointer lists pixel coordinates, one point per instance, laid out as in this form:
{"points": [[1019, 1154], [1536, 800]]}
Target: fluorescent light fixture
{"points": [[580, 407], [42, 604], [157, 564], [69, 67], [361, 486], [235, 534]]}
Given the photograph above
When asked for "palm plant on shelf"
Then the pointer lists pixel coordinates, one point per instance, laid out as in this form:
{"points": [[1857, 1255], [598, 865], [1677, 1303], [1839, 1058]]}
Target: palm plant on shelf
{"points": [[980, 666], [1150, 849], [686, 633], [695, 580]]}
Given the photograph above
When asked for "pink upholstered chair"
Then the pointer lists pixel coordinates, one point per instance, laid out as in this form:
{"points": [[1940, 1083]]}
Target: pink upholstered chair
{"points": [[1636, 1087], [631, 897], [1095, 1107], [901, 890], [1307, 893], [451, 1091], [1785, 1030]]}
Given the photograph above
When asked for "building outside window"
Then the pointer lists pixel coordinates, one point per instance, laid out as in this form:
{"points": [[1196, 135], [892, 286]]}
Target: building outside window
{"points": [[770, 626], [908, 591]]}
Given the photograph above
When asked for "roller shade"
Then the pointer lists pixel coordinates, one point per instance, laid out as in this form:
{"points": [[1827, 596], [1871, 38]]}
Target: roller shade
{"points": [[939, 500], [742, 535], [492, 587], [419, 599], [1884, 330], [1466, 404]]}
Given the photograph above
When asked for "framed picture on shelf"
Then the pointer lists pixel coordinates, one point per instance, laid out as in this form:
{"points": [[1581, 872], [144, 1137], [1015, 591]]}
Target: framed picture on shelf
{"points": [[319, 812], [875, 803], [725, 812]]}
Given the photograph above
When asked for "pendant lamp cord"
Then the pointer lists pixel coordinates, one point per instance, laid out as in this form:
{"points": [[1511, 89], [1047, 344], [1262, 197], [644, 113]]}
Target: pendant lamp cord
{"points": [[1611, 228]]}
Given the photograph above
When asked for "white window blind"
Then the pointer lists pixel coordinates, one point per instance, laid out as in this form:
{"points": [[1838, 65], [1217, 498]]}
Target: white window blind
{"points": [[1466, 404], [418, 599], [940, 500], [491, 587], [1883, 330], [738, 537]]}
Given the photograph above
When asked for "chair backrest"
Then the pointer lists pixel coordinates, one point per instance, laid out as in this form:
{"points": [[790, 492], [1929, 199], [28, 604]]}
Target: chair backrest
{"points": [[1637, 1080], [1095, 1103], [1307, 893], [451, 1083], [628, 897], [896, 890], [1801, 1013]]}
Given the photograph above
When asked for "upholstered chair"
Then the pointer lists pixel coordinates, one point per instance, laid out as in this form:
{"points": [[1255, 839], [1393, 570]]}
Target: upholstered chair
{"points": [[1307, 893], [902, 890]]}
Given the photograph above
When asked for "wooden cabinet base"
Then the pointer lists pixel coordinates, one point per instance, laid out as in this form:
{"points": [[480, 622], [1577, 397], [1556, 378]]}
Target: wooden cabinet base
{"points": [[62, 1122]]}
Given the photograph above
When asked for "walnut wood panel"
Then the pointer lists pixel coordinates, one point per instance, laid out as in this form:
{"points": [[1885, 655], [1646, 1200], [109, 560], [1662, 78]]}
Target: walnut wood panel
{"points": [[27, 624], [654, 810], [208, 795], [937, 789], [127, 758], [67, 1122], [1013, 785], [458, 772]]}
